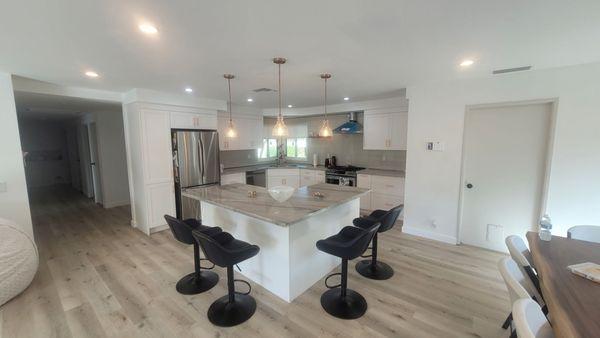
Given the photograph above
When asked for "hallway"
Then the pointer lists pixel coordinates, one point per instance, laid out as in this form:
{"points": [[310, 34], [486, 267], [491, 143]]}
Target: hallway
{"points": [[100, 277]]}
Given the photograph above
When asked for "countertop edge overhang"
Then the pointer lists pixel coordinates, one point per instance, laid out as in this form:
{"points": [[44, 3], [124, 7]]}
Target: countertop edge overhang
{"points": [[306, 194]]}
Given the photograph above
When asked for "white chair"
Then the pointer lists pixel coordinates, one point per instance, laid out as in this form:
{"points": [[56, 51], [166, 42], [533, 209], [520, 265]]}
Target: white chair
{"points": [[590, 233], [530, 320], [518, 284], [522, 256]]}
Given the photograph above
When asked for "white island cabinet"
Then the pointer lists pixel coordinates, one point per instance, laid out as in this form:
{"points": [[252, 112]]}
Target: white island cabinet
{"points": [[288, 262]]}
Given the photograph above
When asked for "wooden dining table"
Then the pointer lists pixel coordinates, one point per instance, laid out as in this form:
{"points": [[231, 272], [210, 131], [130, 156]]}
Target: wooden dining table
{"points": [[573, 301]]}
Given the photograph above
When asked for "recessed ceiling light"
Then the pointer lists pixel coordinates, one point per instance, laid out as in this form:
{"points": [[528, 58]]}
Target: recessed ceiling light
{"points": [[91, 73], [467, 63], [346, 98], [188, 90], [290, 106], [148, 28], [250, 99]]}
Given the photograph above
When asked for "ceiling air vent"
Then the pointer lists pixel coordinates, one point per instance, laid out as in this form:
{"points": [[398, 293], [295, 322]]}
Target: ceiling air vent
{"points": [[264, 90], [510, 70]]}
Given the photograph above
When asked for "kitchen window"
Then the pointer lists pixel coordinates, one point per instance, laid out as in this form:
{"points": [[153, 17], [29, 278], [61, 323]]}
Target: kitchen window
{"points": [[296, 147], [269, 148]]}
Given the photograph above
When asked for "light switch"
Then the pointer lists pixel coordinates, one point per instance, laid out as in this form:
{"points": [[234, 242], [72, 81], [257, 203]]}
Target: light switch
{"points": [[2, 186], [435, 146]]}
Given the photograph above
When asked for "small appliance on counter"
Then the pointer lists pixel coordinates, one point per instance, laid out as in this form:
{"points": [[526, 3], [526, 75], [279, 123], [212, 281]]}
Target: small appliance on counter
{"points": [[195, 164]]}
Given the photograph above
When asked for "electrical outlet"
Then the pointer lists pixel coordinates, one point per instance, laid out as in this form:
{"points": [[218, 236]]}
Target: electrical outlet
{"points": [[494, 233], [2, 186], [434, 223]]}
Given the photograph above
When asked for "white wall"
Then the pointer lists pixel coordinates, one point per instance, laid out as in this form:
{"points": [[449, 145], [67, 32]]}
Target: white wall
{"points": [[112, 158], [43, 140], [14, 203], [436, 112]]}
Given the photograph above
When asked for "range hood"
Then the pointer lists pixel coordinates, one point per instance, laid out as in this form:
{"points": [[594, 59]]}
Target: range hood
{"points": [[350, 127]]}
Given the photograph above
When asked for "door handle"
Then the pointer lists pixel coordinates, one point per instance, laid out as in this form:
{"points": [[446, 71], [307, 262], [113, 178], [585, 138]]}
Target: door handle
{"points": [[469, 185]]}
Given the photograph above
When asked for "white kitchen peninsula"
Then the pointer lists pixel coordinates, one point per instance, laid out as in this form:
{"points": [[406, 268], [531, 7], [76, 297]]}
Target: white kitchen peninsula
{"points": [[289, 262]]}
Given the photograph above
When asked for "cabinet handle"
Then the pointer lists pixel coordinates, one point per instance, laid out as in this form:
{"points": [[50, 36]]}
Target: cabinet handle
{"points": [[389, 185]]}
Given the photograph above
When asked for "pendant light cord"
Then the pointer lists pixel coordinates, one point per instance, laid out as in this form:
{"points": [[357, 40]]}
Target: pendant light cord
{"points": [[229, 85], [279, 75], [325, 102]]}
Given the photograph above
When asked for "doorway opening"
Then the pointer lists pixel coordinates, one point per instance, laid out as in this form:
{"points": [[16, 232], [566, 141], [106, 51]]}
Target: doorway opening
{"points": [[73, 145], [505, 170]]}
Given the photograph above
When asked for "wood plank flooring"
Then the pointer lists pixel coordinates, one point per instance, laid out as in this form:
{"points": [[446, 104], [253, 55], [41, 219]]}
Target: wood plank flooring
{"points": [[98, 277]]}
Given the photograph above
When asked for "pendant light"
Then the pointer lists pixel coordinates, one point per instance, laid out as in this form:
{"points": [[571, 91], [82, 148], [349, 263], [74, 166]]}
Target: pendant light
{"points": [[231, 133], [280, 129], [325, 130]]}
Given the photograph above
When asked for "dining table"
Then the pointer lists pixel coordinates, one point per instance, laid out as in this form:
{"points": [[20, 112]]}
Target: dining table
{"points": [[573, 301]]}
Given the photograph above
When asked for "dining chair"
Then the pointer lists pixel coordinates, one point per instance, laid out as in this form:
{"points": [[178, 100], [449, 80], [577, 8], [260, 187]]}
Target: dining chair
{"points": [[518, 284], [530, 320], [522, 256], [590, 233]]}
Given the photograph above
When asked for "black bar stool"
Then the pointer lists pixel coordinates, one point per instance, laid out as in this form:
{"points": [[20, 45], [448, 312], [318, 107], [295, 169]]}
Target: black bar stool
{"points": [[349, 243], [225, 251], [372, 268], [197, 281]]}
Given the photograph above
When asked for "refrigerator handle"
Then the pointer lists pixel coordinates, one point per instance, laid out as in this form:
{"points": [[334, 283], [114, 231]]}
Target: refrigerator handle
{"points": [[201, 157]]}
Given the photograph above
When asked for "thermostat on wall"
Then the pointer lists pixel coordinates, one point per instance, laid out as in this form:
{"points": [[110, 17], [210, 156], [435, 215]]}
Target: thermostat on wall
{"points": [[435, 146]]}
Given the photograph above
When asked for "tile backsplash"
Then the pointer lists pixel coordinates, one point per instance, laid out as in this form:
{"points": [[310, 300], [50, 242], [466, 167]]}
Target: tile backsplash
{"points": [[348, 149]]}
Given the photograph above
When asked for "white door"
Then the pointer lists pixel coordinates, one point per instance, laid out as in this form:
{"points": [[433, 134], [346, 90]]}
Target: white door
{"points": [[94, 163], [503, 172]]}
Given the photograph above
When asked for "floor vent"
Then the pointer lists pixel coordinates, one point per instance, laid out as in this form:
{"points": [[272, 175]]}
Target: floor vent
{"points": [[510, 70]]}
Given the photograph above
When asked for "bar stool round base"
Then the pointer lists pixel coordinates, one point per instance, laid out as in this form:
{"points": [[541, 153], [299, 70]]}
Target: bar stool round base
{"points": [[352, 306], [379, 271], [224, 313], [191, 285]]}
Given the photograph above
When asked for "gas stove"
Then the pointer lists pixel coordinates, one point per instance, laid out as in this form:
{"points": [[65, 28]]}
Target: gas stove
{"points": [[342, 175]]}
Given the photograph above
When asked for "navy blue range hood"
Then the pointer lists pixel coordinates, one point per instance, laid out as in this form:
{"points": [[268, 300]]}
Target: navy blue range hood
{"points": [[350, 127]]}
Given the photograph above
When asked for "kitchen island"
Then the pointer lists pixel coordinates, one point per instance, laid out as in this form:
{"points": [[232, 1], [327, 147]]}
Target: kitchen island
{"points": [[289, 262]]}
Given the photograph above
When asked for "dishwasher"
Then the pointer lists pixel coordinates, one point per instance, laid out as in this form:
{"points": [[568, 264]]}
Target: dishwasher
{"points": [[257, 177]]}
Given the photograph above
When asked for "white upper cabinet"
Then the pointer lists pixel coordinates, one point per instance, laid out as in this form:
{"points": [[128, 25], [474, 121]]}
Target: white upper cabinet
{"points": [[385, 130], [249, 130], [184, 120]]}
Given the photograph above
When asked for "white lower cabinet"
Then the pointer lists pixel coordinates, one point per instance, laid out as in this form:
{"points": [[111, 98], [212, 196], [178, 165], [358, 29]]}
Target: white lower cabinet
{"points": [[386, 192], [286, 177], [233, 178], [310, 177], [161, 201]]}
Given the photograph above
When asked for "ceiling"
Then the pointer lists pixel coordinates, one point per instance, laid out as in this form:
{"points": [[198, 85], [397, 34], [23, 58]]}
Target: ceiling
{"points": [[373, 49], [54, 107]]}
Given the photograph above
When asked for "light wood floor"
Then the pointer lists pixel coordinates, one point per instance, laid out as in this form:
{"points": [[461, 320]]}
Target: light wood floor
{"points": [[100, 277]]}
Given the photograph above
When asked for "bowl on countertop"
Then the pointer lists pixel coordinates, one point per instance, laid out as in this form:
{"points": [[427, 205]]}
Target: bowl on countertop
{"points": [[281, 193]]}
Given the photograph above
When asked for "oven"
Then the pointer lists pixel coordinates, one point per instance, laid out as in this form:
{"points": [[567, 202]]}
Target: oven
{"points": [[337, 179]]}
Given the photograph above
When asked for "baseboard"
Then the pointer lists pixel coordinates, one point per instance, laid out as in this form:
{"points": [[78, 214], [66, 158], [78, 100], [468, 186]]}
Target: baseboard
{"points": [[429, 234], [159, 228], [109, 205]]}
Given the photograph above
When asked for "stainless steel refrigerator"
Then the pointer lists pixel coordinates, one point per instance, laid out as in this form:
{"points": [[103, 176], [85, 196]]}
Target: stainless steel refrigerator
{"points": [[195, 164]]}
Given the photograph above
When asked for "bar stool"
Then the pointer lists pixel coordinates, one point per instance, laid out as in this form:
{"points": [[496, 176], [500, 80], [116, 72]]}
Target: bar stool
{"points": [[225, 251], [372, 268], [349, 243], [197, 281]]}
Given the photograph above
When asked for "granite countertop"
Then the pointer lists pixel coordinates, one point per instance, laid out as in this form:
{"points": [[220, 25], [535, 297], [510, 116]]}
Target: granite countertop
{"points": [[383, 172], [242, 169], [301, 205]]}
